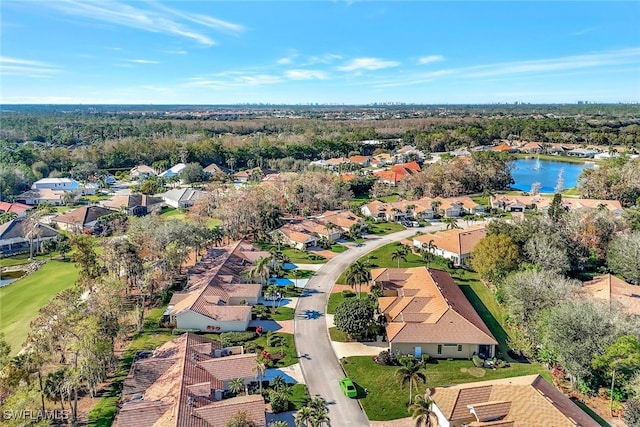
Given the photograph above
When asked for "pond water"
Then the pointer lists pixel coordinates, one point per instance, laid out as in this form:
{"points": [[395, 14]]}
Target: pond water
{"points": [[527, 171], [10, 277]]}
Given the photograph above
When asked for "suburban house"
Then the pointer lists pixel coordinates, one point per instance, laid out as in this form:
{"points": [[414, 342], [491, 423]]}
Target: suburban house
{"points": [[334, 163], [81, 219], [455, 244], [360, 160], [409, 151], [613, 291], [184, 382], [397, 173], [451, 207], [255, 174], [541, 203], [19, 209], [425, 208], [344, 220], [215, 170], [427, 313], [14, 236], [175, 170], [393, 211], [527, 401], [216, 297], [142, 172], [532, 147], [39, 196], [181, 197], [382, 159], [134, 204], [582, 152], [296, 236], [59, 184]]}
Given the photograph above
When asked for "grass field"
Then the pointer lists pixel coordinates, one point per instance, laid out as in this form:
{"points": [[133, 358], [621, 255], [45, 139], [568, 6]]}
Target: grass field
{"points": [[381, 257], [387, 398], [21, 300], [338, 248], [294, 255], [335, 299], [383, 228]]}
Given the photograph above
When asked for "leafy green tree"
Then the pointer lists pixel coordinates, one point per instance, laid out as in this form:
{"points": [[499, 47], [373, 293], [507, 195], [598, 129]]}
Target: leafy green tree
{"points": [[355, 318], [549, 251], [240, 419], [574, 332], [151, 186], [528, 293], [411, 373], [623, 256], [422, 411], [192, 173], [494, 257], [622, 357]]}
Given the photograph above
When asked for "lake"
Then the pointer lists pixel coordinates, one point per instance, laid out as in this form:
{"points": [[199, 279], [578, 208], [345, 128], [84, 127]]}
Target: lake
{"points": [[527, 171]]}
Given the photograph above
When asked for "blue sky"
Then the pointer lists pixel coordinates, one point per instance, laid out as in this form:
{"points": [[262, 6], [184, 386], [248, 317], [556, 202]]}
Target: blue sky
{"points": [[298, 52]]}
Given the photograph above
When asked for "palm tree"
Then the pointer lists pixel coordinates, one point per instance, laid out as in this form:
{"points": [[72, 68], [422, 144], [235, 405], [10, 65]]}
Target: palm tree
{"points": [[421, 411], [451, 222], [304, 416], [411, 372], [435, 207], [278, 383], [280, 423], [399, 254], [271, 293], [260, 368], [428, 250], [217, 235], [236, 385], [320, 419], [260, 270], [358, 273], [318, 404]]}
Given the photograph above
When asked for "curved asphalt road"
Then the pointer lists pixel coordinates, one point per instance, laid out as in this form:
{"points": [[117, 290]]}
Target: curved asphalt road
{"points": [[318, 361]]}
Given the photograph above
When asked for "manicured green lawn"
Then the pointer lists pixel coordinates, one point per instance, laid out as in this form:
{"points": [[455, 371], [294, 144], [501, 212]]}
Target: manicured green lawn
{"points": [[383, 228], [381, 257], [294, 255], [299, 274], [299, 397], [288, 346], [573, 191], [389, 199], [337, 335], [172, 213], [279, 314], [21, 300], [387, 399], [335, 299], [338, 248]]}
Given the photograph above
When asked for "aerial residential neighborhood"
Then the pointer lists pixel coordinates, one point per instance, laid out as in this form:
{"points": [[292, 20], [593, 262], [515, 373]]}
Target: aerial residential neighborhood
{"points": [[319, 214]]}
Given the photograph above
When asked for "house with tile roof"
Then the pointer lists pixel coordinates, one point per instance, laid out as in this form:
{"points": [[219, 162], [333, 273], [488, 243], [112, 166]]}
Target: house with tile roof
{"points": [[360, 160], [255, 174], [613, 291], [81, 219], [343, 220], [526, 401], [305, 233], [39, 196], [15, 236], [455, 244], [142, 172], [427, 313], [20, 209], [182, 384], [514, 203], [217, 297], [134, 204]]}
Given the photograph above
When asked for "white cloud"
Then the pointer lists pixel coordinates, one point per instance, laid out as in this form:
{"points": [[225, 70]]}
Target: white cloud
{"points": [[229, 80], [176, 52], [306, 75], [429, 59], [143, 61], [323, 59], [284, 61], [359, 64], [161, 20], [18, 66]]}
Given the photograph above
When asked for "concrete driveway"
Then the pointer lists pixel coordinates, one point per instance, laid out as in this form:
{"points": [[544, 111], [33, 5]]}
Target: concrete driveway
{"points": [[318, 361]]}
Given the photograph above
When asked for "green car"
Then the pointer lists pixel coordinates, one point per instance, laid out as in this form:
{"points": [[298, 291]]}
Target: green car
{"points": [[348, 388]]}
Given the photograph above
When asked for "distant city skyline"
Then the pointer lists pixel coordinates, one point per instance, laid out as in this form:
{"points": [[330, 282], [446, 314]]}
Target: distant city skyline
{"points": [[317, 52]]}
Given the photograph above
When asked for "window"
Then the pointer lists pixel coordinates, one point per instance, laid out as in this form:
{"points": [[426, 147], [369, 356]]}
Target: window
{"points": [[439, 348], [459, 347]]}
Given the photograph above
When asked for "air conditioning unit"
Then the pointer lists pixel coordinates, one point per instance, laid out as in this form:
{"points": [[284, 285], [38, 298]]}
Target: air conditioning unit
{"points": [[218, 394], [225, 352], [217, 353]]}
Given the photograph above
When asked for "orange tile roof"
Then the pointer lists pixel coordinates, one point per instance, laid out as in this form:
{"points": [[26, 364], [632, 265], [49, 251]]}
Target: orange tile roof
{"points": [[457, 241], [18, 208], [178, 391], [503, 147], [230, 367], [343, 219], [359, 159], [527, 401], [427, 302], [613, 290]]}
